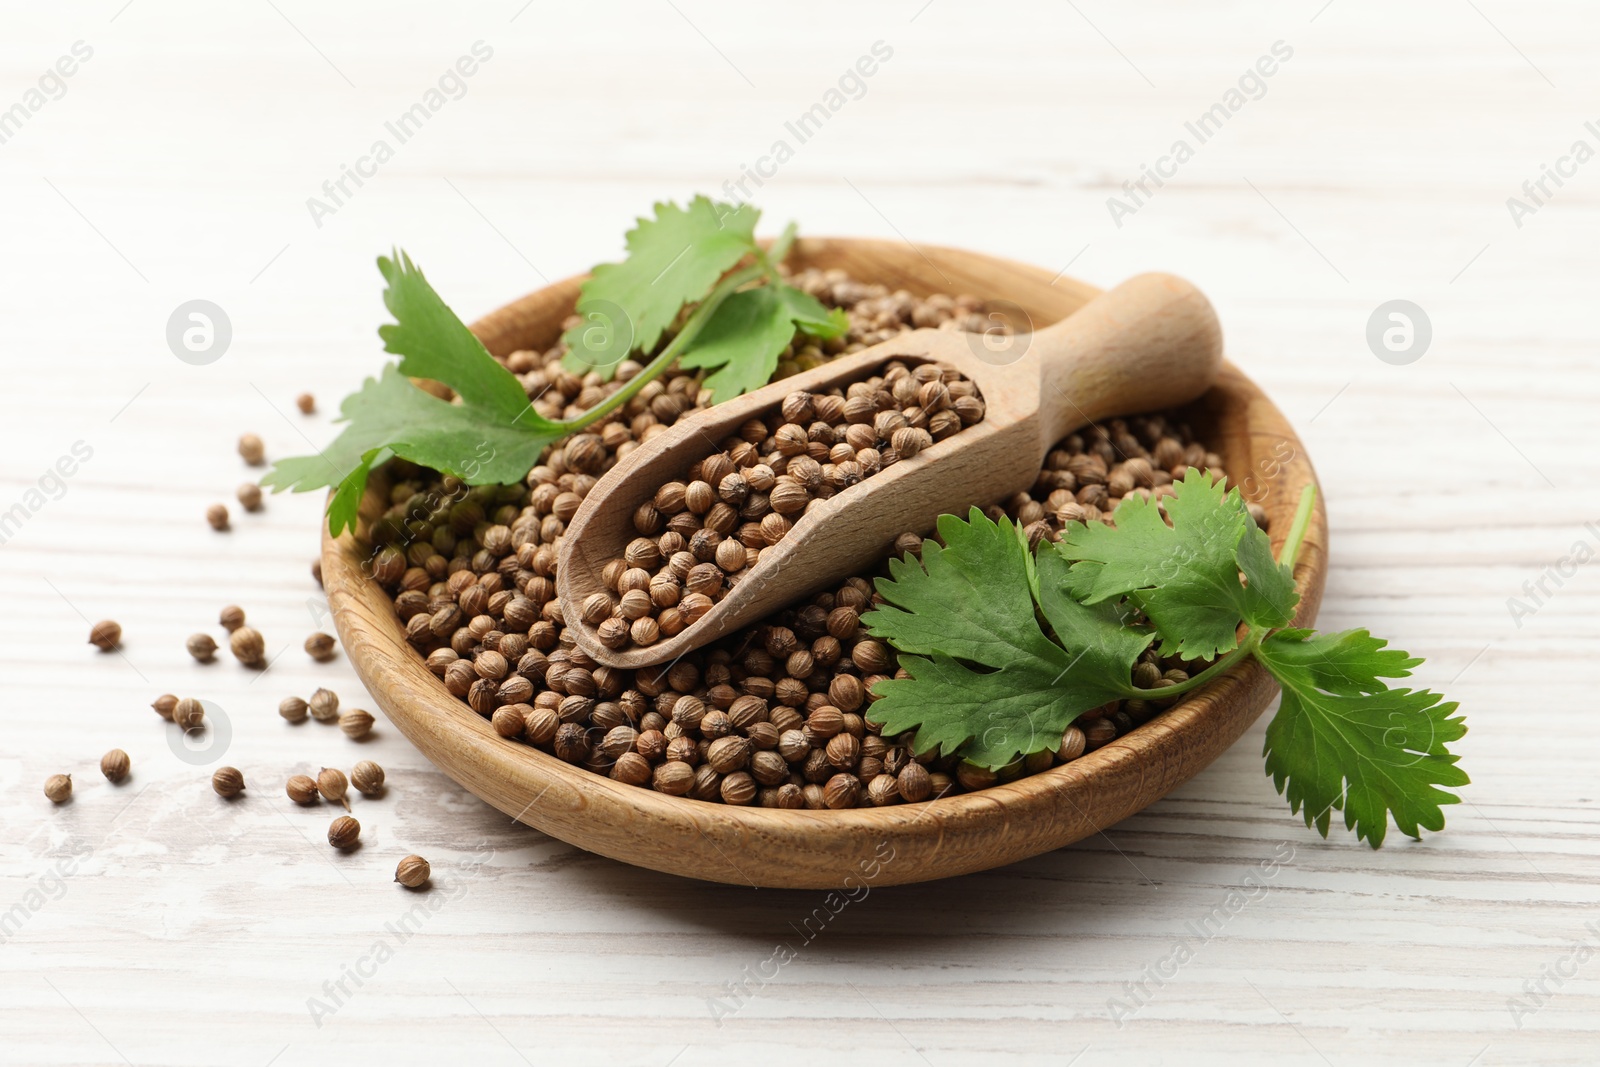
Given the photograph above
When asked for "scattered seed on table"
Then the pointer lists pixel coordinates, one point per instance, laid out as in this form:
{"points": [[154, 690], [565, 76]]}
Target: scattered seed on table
{"points": [[249, 494], [58, 787], [203, 647], [293, 708], [320, 646], [344, 832], [231, 617], [217, 516], [252, 450], [302, 789], [356, 723], [367, 777], [324, 705], [228, 782], [248, 646], [105, 635], [188, 713], [164, 705], [114, 765], [306, 403], [413, 872], [332, 784]]}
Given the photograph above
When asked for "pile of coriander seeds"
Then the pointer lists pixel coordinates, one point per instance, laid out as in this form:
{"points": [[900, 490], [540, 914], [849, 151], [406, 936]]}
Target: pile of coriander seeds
{"points": [[778, 714], [698, 538]]}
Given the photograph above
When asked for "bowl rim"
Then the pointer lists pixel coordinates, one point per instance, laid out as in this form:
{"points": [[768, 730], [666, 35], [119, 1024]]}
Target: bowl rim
{"points": [[652, 829]]}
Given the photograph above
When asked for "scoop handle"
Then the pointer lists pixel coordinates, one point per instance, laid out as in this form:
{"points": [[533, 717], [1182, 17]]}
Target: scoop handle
{"points": [[1152, 342]]}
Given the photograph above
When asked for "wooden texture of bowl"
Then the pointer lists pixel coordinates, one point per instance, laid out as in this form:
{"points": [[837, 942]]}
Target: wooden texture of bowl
{"points": [[833, 849]]}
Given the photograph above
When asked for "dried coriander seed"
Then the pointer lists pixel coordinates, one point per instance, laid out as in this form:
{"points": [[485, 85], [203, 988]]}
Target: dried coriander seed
{"points": [[228, 782], [320, 646], [306, 403], [413, 872], [164, 705], [114, 765], [217, 516], [249, 494], [344, 833], [356, 723], [105, 635], [367, 777], [248, 646], [58, 787], [231, 617], [203, 647], [302, 789], [189, 713], [293, 709], [324, 705], [252, 450], [332, 784]]}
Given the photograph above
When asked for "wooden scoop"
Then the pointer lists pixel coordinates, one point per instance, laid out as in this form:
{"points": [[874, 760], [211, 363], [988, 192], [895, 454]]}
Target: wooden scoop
{"points": [[1152, 342]]}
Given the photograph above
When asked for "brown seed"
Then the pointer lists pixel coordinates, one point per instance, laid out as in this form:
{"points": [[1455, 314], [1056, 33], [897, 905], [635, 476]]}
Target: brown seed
{"points": [[202, 647], [344, 833], [356, 723], [189, 713], [248, 646], [324, 704], [114, 765], [843, 750], [164, 705], [306, 403], [332, 784], [105, 635], [1072, 744], [673, 778], [320, 646], [413, 872], [883, 790], [293, 709], [728, 754], [842, 791], [367, 777], [231, 617], [915, 783], [302, 789], [252, 450], [58, 787], [217, 516], [249, 494], [227, 782], [738, 788]]}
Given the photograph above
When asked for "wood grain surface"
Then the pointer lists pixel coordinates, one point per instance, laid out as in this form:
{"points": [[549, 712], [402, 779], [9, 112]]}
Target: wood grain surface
{"points": [[152, 923]]}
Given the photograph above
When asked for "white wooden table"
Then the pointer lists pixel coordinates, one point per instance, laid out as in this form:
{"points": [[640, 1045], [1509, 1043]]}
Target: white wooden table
{"points": [[1375, 165]]}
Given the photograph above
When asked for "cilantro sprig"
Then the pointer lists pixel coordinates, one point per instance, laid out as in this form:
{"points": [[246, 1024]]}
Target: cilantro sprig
{"points": [[683, 267], [1003, 649]]}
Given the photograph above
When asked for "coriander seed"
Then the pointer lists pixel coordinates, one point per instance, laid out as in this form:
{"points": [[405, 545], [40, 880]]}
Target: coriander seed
{"points": [[228, 782], [114, 765], [105, 635], [356, 723], [306, 403], [189, 713], [332, 784], [324, 705], [164, 705], [248, 646], [344, 833], [202, 647], [367, 777], [231, 617], [302, 789], [58, 787], [292, 709], [249, 494], [319, 646], [413, 872], [217, 516], [252, 450]]}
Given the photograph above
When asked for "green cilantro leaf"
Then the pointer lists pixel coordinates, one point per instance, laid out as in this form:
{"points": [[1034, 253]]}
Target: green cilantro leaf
{"points": [[1184, 577], [391, 416], [1343, 740], [749, 331], [986, 678], [673, 259]]}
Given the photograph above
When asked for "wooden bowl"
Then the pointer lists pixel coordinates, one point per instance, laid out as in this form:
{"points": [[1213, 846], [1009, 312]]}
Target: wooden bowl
{"points": [[834, 849]]}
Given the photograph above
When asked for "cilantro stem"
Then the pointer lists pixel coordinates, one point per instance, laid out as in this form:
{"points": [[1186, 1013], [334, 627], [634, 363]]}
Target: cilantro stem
{"points": [[656, 367], [1297, 529], [779, 250], [1246, 648]]}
